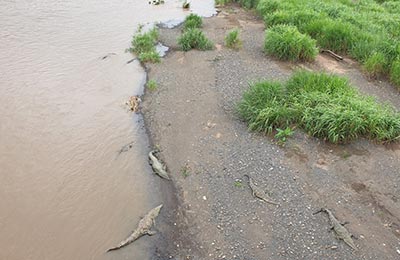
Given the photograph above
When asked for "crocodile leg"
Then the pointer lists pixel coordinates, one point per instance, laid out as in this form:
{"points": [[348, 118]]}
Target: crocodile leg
{"points": [[151, 232]]}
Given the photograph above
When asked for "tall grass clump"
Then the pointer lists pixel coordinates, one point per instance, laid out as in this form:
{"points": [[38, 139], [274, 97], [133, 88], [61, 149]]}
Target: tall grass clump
{"points": [[324, 105], [232, 39], [356, 28], [375, 65], [194, 38], [287, 43], [336, 36], [264, 107], [143, 45], [267, 6], [395, 72], [192, 21]]}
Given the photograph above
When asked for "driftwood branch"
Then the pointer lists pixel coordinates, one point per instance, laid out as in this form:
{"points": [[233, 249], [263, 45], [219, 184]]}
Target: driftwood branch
{"points": [[334, 55]]}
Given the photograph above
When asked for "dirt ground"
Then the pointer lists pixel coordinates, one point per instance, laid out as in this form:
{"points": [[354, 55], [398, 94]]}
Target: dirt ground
{"points": [[191, 117]]}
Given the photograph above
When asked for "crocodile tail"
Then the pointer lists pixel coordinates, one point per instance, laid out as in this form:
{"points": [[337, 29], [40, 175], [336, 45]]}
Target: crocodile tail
{"points": [[122, 244], [271, 202], [351, 244], [135, 235], [113, 248], [319, 211]]}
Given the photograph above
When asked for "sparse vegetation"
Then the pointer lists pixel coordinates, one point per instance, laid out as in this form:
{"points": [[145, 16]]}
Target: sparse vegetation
{"points": [[324, 105], [143, 45], [238, 184], [282, 135], [192, 21], [345, 154], [232, 39], [185, 171], [287, 43], [152, 84], [194, 38]]}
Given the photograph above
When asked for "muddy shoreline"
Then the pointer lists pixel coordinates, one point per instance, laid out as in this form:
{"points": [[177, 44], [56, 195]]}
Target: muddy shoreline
{"points": [[210, 213], [170, 224]]}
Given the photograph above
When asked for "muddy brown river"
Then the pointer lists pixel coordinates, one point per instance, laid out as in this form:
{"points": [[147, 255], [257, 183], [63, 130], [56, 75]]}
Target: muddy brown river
{"points": [[65, 191]]}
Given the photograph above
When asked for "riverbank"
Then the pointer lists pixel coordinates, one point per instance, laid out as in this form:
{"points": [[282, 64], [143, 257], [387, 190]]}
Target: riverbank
{"points": [[191, 117]]}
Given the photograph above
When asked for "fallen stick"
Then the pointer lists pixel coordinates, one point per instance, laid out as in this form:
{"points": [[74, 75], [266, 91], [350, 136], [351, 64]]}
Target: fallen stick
{"points": [[334, 55]]}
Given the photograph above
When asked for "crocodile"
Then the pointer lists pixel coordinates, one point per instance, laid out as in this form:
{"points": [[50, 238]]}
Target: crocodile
{"points": [[257, 192], [133, 103], [108, 55], [186, 4], [157, 166], [143, 228], [339, 229], [130, 61], [126, 147]]}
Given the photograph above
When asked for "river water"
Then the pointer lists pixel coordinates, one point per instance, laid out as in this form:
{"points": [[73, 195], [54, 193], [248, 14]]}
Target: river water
{"points": [[65, 191]]}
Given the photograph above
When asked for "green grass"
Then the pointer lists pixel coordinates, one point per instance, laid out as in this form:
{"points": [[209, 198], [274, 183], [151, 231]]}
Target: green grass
{"points": [[323, 105], [143, 45], [282, 135], [287, 43], [222, 2], [232, 39], [185, 171], [152, 56], [375, 65], [337, 37], [194, 38], [238, 184], [152, 85], [395, 72], [192, 21], [264, 7], [356, 28]]}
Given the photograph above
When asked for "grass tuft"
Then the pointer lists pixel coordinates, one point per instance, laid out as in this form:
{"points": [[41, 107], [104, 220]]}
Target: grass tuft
{"points": [[185, 171], [375, 65], [192, 21], [324, 105], [395, 72], [194, 39], [282, 135], [232, 39], [152, 56], [143, 44], [238, 184], [287, 43], [152, 85]]}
